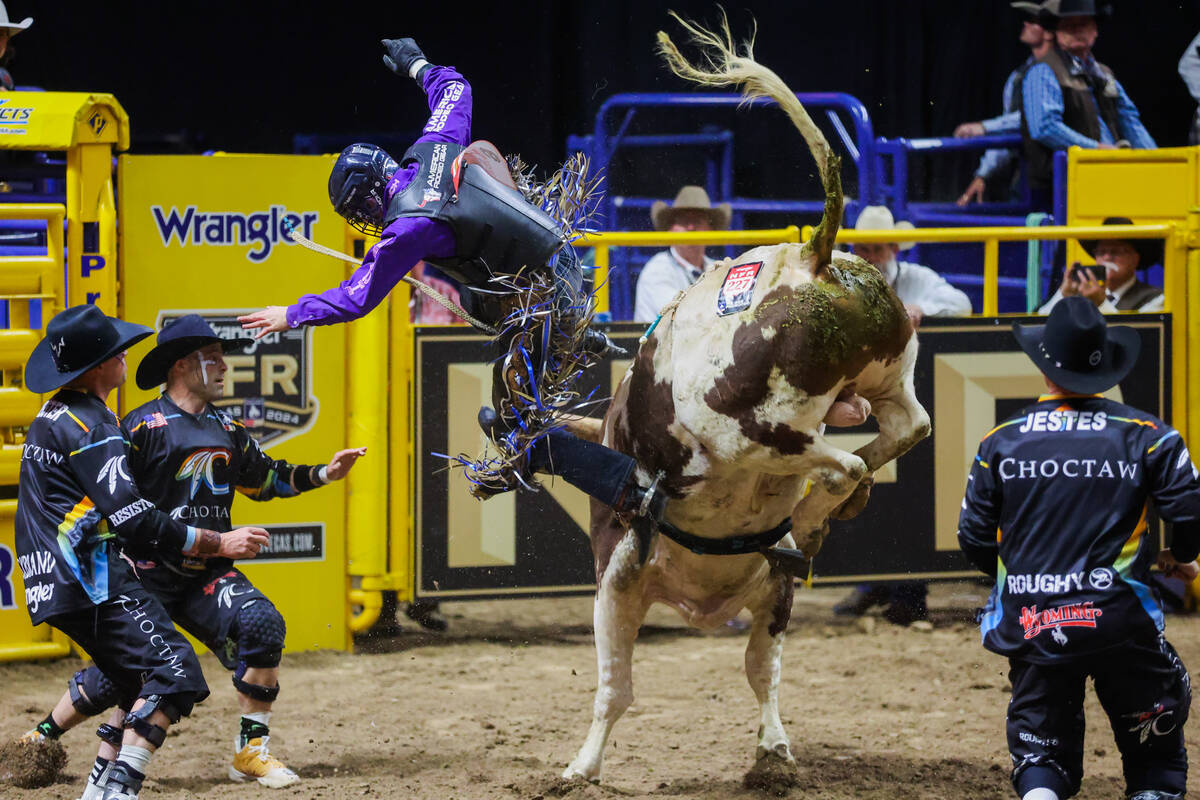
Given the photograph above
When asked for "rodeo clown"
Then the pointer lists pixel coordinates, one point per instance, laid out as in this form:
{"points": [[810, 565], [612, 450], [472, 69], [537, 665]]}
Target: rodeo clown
{"points": [[76, 506], [1056, 509], [186, 457], [474, 229]]}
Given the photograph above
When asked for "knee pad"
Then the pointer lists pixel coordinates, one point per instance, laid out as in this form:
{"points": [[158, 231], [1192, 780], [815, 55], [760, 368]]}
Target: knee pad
{"points": [[1049, 773], [110, 734], [262, 694], [260, 634], [91, 691], [139, 719]]}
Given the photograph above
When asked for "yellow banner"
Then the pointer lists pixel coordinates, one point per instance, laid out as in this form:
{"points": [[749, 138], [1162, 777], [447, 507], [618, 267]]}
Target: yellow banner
{"points": [[205, 234]]}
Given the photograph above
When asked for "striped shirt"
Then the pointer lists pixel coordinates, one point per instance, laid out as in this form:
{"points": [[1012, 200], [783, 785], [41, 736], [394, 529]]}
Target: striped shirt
{"points": [[1044, 111]]}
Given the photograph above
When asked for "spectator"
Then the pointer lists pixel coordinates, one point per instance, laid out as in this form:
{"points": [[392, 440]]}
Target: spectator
{"points": [[923, 292], [1189, 70], [1120, 290], [675, 269], [8, 30], [996, 165], [1069, 98]]}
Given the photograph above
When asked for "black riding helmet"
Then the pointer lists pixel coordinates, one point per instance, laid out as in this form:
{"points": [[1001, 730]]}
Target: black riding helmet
{"points": [[358, 186]]}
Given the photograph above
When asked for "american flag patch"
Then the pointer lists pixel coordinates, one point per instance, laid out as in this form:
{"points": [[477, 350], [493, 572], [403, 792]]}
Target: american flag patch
{"points": [[155, 420]]}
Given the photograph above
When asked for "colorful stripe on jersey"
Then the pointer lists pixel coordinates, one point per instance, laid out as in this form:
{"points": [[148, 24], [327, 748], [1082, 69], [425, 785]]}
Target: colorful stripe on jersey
{"points": [[272, 486], [1162, 439], [1016, 421], [1124, 567], [992, 615], [97, 444], [71, 532], [1145, 423]]}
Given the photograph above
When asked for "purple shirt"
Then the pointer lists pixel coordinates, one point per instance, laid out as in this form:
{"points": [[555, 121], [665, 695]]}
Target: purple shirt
{"points": [[409, 239]]}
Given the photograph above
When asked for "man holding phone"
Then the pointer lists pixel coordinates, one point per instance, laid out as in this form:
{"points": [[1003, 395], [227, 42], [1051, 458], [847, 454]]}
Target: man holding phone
{"points": [[1112, 283]]}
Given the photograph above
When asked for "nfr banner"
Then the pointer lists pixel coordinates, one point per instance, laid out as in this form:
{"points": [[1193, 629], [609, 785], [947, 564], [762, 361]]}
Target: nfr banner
{"points": [[970, 375]]}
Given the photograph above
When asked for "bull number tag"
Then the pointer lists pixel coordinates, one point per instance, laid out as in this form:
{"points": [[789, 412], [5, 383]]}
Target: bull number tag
{"points": [[738, 288]]}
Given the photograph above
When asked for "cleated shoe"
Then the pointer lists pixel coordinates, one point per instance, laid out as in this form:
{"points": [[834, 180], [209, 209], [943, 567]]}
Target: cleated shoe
{"points": [[255, 763], [33, 736]]}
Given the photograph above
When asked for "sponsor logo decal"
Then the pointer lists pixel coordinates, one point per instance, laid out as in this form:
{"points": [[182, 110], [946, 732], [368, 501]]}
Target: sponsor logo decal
{"points": [[42, 455], [737, 290], [1044, 583], [300, 542], [38, 562], [1075, 615], [1101, 578], [1029, 469], [1158, 721], [1064, 420], [130, 511], [263, 230], [160, 645], [437, 120], [268, 387], [38, 593], [113, 469], [14, 119], [198, 466], [53, 409], [190, 513]]}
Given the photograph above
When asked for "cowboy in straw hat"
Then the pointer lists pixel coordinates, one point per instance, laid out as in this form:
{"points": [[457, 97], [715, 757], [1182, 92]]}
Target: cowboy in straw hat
{"points": [[677, 268], [8, 29], [79, 512], [1067, 481], [923, 292], [173, 435], [1120, 289]]}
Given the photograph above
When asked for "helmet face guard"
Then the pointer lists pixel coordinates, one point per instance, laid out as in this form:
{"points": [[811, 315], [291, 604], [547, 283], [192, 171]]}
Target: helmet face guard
{"points": [[358, 186]]}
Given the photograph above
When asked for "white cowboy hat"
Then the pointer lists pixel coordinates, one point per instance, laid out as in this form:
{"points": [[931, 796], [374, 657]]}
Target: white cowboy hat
{"points": [[879, 218], [13, 27], [690, 198]]}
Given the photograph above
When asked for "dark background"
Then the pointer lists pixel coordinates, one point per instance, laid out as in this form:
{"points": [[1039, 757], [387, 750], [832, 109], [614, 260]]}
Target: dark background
{"points": [[247, 76]]}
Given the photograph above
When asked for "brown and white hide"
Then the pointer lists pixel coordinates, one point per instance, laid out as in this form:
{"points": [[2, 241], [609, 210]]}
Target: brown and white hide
{"points": [[729, 410]]}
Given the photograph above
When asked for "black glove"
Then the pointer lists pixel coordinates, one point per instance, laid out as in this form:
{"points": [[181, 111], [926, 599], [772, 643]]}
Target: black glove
{"points": [[401, 55]]}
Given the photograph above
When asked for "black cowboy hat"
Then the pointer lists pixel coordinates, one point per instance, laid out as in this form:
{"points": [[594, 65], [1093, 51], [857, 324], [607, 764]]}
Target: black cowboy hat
{"points": [[1077, 349], [179, 338], [1150, 251], [1054, 10], [76, 340]]}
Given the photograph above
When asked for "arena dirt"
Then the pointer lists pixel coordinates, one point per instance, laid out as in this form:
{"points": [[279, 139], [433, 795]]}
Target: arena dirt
{"points": [[497, 706]]}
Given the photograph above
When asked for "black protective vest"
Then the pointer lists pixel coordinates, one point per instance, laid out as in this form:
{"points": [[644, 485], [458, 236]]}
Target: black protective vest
{"points": [[1085, 103], [496, 230]]}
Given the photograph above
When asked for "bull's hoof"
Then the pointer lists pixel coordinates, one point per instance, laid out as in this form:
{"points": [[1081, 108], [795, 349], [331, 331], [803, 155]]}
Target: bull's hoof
{"points": [[853, 505], [773, 772], [573, 774]]}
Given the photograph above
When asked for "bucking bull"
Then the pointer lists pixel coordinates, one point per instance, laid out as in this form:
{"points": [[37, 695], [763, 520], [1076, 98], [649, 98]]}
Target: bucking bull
{"points": [[724, 404]]}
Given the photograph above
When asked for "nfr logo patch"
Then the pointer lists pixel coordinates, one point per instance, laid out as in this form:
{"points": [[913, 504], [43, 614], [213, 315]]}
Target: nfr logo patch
{"points": [[268, 387], [737, 289]]}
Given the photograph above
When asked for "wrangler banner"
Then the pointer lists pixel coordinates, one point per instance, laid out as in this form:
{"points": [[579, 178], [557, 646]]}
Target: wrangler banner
{"points": [[970, 375], [206, 235]]}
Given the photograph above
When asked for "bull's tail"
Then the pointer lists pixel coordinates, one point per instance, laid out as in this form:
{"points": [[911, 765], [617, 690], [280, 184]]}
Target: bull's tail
{"points": [[722, 66]]}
